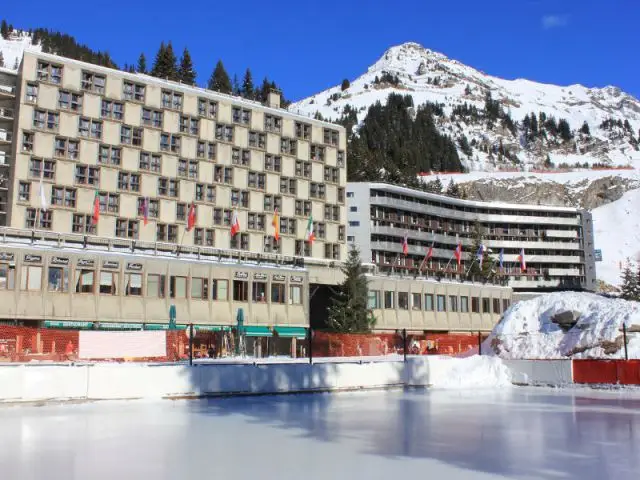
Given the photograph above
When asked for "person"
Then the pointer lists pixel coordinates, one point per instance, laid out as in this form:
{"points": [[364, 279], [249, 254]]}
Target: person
{"points": [[68, 350]]}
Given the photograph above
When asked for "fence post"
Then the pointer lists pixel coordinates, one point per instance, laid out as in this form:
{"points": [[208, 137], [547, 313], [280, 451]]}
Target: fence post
{"points": [[190, 344], [624, 337], [404, 343], [479, 343], [310, 346]]}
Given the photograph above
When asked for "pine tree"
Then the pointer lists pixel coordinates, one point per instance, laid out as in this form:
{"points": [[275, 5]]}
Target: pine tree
{"points": [[165, 64], [345, 84], [142, 64], [463, 142], [248, 90], [220, 81], [172, 64], [486, 271], [186, 72], [348, 312], [159, 69], [4, 29], [629, 287], [585, 129], [453, 190], [564, 130], [1, 60]]}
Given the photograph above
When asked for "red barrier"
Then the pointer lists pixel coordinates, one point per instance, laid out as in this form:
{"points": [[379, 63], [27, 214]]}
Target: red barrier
{"points": [[629, 372], [595, 371]]}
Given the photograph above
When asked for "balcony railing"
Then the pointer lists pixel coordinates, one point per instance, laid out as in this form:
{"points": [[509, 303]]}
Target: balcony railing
{"points": [[7, 90], [6, 113], [6, 136]]}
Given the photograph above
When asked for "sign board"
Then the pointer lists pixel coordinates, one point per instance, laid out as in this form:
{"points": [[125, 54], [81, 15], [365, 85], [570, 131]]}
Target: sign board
{"points": [[6, 256], [241, 275], [59, 261], [278, 278], [110, 264], [32, 258], [134, 266], [86, 262], [259, 276], [597, 254], [296, 278]]}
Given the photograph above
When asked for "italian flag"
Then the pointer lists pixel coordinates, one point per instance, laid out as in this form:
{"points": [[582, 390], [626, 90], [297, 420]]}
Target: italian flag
{"points": [[96, 209], [235, 224], [309, 234]]}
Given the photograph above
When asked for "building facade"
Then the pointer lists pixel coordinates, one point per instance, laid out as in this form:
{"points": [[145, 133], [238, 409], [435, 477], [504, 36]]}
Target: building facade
{"points": [[557, 242], [8, 83]]}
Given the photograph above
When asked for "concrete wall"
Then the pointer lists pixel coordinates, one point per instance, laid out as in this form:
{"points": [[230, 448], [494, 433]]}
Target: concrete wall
{"points": [[540, 372]]}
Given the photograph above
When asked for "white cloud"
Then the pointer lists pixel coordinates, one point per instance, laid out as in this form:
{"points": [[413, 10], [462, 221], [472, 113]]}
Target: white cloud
{"points": [[554, 21]]}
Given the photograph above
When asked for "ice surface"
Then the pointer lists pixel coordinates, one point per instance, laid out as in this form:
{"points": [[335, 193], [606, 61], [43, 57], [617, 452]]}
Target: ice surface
{"points": [[464, 434]]}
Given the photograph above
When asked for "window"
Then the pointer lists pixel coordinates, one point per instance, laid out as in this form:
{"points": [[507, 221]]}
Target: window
{"points": [[49, 72], [388, 299], [93, 82], [133, 284], [303, 130], [240, 241], [270, 245], [83, 224], [205, 193], [453, 303], [277, 293], [341, 232], [475, 304], [42, 168], [31, 278], [464, 304], [256, 221], [331, 137], [505, 304], [129, 181], [86, 175], [496, 305], [288, 226], [7, 277], [154, 208], [257, 140], [27, 142], [133, 91], [181, 212], [206, 150], [108, 283], [272, 163], [189, 125], [240, 291], [46, 120], [256, 180], [288, 185], [69, 101], [156, 286], [317, 190], [317, 153], [168, 187], [241, 115], [224, 132], [204, 236], [63, 197], [403, 300], [166, 233], [295, 295], [170, 143], [150, 162], [109, 202], [416, 301], [303, 208], [303, 169], [340, 159], [131, 135], [112, 110], [108, 155], [85, 281], [200, 288], [428, 302], [303, 248], [171, 100], [441, 303], [486, 305], [259, 292], [223, 174], [24, 191], [288, 146], [271, 202], [45, 218], [331, 174], [31, 93], [207, 108], [221, 216], [240, 198], [152, 118], [177, 287], [66, 148], [373, 299], [58, 280], [219, 289], [273, 123], [126, 228], [240, 157], [90, 128], [341, 195]]}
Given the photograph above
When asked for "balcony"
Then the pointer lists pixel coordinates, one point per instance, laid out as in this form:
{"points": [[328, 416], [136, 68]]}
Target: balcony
{"points": [[7, 91], [561, 234], [6, 113], [6, 137]]}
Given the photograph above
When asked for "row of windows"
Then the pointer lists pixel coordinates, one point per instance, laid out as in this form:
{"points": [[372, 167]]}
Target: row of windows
{"points": [[104, 282], [391, 300]]}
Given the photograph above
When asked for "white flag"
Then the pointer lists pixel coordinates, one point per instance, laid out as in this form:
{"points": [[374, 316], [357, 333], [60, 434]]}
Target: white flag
{"points": [[43, 197]]}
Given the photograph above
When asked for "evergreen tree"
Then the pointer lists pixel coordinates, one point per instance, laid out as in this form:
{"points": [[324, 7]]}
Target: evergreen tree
{"points": [[4, 29], [453, 190], [186, 72], [585, 129], [348, 312], [345, 84], [629, 287], [1, 60], [463, 142], [486, 271], [220, 81], [165, 64], [564, 130], [263, 93], [142, 63], [248, 90], [467, 90]]}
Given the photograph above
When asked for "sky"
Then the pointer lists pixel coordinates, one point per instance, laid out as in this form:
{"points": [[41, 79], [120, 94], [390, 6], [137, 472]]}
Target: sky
{"points": [[309, 46]]}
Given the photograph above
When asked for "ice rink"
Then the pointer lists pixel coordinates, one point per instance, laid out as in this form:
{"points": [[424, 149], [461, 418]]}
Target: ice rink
{"points": [[521, 433]]}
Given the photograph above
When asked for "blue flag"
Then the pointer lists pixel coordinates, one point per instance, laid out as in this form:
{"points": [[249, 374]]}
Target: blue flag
{"points": [[501, 257]]}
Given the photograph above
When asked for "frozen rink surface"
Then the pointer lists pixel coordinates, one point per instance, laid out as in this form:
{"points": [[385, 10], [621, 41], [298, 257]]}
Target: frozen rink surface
{"points": [[521, 433]]}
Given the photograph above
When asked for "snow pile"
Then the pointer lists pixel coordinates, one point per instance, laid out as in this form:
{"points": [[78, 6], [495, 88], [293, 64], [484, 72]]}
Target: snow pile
{"points": [[527, 331], [472, 372]]}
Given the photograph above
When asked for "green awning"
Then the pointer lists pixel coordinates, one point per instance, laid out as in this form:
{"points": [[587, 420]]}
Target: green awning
{"points": [[67, 324], [256, 331], [162, 326], [211, 328], [291, 332], [119, 326]]}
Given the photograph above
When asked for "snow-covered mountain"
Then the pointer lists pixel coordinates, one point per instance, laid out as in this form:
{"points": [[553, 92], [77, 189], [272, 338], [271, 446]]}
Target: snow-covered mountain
{"points": [[429, 76], [13, 47]]}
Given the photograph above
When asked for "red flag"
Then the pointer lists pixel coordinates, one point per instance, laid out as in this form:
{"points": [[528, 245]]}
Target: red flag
{"points": [[405, 245], [96, 209], [191, 219], [235, 224], [145, 210], [458, 253], [426, 257]]}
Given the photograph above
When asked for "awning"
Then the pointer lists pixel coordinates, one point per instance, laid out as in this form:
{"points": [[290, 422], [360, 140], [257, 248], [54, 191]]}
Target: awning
{"points": [[291, 332], [67, 324], [162, 326], [211, 328], [119, 326], [256, 331]]}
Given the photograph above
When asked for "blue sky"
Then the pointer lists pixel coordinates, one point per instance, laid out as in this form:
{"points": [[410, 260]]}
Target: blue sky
{"points": [[308, 46]]}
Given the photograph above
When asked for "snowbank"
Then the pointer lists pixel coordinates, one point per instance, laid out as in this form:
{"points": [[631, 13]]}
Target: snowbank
{"points": [[471, 372], [527, 331]]}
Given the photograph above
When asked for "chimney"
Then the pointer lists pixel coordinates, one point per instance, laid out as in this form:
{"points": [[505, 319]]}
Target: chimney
{"points": [[273, 98]]}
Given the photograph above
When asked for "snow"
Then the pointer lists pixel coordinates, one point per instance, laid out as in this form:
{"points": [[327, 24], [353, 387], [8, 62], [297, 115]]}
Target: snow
{"points": [[13, 47], [471, 372], [523, 433], [526, 329]]}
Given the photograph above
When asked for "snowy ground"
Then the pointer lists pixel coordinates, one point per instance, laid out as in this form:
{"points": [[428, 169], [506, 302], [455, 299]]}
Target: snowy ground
{"points": [[515, 433]]}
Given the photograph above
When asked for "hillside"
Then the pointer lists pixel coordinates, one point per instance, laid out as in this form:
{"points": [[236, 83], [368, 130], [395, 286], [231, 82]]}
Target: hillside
{"points": [[494, 127]]}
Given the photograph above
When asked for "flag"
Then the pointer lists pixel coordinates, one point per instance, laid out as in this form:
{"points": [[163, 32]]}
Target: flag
{"points": [[480, 255], [43, 197], [235, 224], [501, 257], [145, 209], [405, 245], [458, 253], [191, 218], [276, 225], [426, 257], [96, 209], [523, 262], [309, 234]]}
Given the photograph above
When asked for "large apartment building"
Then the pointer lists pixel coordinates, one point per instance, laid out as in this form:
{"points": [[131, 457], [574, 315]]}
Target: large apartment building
{"points": [[557, 242]]}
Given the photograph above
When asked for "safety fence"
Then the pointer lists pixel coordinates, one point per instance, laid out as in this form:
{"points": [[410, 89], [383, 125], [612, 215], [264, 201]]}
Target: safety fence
{"points": [[620, 372]]}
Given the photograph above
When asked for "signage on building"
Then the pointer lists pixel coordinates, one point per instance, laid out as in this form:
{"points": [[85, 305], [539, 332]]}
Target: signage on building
{"points": [[59, 261], [597, 254], [296, 278], [33, 258], [86, 262], [134, 266], [278, 278], [110, 264], [6, 256], [259, 276], [241, 275]]}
